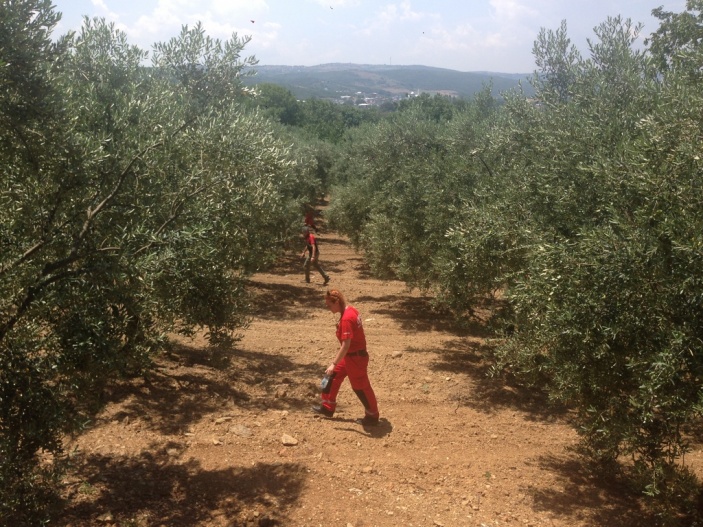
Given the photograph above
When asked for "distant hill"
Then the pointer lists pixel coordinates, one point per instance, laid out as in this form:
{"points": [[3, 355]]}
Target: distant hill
{"points": [[338, 80]]}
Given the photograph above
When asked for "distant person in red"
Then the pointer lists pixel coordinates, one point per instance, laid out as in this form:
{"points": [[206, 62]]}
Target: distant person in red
{"points": [[313, 256], [352, 360], [310, 219]]}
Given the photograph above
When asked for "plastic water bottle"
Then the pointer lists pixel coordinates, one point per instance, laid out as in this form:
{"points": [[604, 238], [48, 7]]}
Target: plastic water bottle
{"points": [[324, 383]]}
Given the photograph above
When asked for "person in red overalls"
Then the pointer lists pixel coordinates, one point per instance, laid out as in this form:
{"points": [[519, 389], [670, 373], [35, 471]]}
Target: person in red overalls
{"points": [[351, 361], [310, 218], [313, 256]]}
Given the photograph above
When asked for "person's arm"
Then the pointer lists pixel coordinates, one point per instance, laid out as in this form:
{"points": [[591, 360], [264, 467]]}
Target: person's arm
{"points": [[343, 348]]}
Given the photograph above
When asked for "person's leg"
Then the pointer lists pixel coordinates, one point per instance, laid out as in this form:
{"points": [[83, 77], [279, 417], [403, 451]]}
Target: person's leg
{"points": [[329, 395], [322, 271], [357, 369], [306, 268]]}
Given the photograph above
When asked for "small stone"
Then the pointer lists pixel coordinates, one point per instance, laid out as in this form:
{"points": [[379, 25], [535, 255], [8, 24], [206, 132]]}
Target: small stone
{"points": [[221, 420], [288, 440], [240, 430]]}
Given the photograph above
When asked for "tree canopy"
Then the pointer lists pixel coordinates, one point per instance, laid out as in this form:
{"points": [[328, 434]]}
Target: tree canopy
{"points": [[135, 202], [576, 216]]}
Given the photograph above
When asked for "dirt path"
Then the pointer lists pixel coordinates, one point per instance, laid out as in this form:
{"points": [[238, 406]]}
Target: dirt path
{"points": [[201, 443]]}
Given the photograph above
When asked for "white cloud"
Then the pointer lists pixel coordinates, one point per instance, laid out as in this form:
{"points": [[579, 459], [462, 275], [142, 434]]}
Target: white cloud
{"points": [[476, 34], [394, 16], [243, 7], [104, 9], [220, 18], [510, 12], [407, 13], [337, 3]]}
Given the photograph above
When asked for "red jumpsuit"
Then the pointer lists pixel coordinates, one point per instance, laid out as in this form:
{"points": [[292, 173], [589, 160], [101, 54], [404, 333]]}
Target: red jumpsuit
{"points": [[354, 365], [310, 220]]}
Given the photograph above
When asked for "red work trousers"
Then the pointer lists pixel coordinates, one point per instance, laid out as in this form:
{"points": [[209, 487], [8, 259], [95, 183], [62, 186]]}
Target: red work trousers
{"points": [[355, 366]]}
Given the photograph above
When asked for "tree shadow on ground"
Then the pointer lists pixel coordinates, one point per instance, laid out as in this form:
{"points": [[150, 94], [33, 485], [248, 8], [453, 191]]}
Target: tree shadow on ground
{"points": [[279, 301], [288, 263], [157, 485], [172, 400], [487, 393], [287, 302], [611, 501], [362, 268], [330, 240], [418, 314]]}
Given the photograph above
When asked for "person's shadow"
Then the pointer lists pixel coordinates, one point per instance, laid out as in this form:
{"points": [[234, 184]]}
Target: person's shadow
{"points": [[382, 429]]}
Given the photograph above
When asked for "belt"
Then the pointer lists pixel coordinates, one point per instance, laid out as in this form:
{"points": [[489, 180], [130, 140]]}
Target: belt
{"points": [[360, 353]]}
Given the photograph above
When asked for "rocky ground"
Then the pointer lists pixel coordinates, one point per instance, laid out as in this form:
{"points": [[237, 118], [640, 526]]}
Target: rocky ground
{"points": [[227, 438]]}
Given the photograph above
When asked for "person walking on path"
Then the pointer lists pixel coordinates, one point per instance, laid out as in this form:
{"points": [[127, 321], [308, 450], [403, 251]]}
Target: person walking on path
{"points": [[313, 256], [310, 218], [352, 360]]}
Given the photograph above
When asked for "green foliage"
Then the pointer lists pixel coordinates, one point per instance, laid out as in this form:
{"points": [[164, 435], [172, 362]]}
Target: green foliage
{"points": [[278, 103], [328, 121], [676, 44], [583, 209], [136, 201], [556, 59], [404, 182], [437, 108], [312, 120], [133, 202], [607, 301], [482, 249]]}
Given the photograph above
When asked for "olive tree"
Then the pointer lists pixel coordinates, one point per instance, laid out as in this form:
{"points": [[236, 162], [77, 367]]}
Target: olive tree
{"points": [[608, 300], [134, 202]]}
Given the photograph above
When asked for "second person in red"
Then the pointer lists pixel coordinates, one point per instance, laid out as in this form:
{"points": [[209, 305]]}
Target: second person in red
{"points": [[312, 258]]}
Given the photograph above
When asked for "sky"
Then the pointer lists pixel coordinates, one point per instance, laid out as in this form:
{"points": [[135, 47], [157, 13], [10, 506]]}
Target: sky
{"points": [[463, 35]]}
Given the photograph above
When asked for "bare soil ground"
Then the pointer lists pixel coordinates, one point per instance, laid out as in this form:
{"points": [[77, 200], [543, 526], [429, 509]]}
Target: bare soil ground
{"points": [[203, 440]]}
